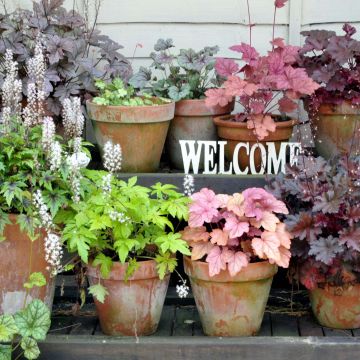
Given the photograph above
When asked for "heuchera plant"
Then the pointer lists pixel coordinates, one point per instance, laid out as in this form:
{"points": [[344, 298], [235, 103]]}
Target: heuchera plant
{"points": [[229, 232], [264, 85], [323, 199], [186, 75], [334, 62], [75, 51]]}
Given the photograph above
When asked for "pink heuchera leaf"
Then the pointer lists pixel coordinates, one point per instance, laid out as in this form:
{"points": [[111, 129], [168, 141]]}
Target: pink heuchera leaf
{"points": [[279, 42], [195, 234], [286, 105], [283, 235], [200, 249], [289, 53], [226, 67], [216, 97], [234, 86], [236, 227], [236, 204], [284, 260], [219, 237], [223, 200], [216, 261], [257, 106], [235, 261], [261, 125], [267, 247], [249, 54], [276, 64], [268, 221], [280, 3]]}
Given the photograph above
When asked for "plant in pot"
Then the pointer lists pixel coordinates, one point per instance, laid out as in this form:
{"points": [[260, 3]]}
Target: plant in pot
{"points": [[138, 123], [38, 173], [123, 234], [236, 244], [184, 78], [323, 200], [334, 62], [266, 87]]}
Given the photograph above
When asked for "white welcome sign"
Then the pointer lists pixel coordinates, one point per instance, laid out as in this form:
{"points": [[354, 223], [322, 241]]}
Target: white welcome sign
{"points": [[272, 161]]}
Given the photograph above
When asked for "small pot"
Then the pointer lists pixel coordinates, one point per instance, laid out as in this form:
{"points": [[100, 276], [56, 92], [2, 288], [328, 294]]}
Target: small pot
{"points": [[132, 307], [230, 306], [193, 121], [19, 257], [234, 132], [338, 310], [337, 125], [140, 130]]}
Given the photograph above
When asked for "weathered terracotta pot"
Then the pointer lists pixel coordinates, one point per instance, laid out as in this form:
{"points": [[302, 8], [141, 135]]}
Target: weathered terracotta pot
{"points": [[140, 130], [337, 310], [230, 306], [235, 132], [16, 265], [132, 307], [192, 121], [337, 125]]}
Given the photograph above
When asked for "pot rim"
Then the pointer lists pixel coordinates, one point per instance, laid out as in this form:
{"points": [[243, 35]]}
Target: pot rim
{"points": [[252, 272], [117, 107], [146, 270], [198, 108]]}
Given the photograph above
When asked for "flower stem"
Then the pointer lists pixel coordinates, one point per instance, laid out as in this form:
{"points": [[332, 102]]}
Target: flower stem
{"points": [[273, 28], [250, 25]]}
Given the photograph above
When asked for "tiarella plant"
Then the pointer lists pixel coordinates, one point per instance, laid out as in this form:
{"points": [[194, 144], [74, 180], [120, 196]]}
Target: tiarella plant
{"points": [[186, 75], [229, 232], [334, 62], [75, 50], [264, 85], [323, 199], [121, 221], [116, 93]]}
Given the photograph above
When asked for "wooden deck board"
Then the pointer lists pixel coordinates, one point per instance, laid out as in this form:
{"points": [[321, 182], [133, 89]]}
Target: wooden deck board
{"points": [[308, 326], [284, 325], [184, 320]]}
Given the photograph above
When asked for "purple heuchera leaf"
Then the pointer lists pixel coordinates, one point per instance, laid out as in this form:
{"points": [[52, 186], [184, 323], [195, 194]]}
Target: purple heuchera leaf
{"points": [[325, 249]]}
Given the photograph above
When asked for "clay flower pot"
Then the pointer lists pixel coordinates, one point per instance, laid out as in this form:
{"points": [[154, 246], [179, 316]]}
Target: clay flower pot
{"points": [[337, 125], [17, 264], [337, 310], [192, 121], [234, 132], [230, 306], [140, 130], [132, 307]]}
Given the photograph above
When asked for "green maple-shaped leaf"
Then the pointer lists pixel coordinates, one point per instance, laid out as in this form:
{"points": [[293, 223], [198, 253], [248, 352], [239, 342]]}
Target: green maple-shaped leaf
{"points": [[35, 279], [105, 263], [5, 352], [99, 292], [30, 347], [34, 320], [7, 328]]}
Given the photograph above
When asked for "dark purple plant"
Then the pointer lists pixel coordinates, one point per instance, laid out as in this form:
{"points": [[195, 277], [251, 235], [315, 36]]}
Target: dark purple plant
{"points": [[76, 52], [334, 62]]}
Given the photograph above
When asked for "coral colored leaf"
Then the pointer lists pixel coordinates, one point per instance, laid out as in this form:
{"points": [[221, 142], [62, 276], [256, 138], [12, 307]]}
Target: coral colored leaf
{"points": [[286, 105], [236, 227], [284, 259], [249, 54], [195, 234], [280, 3], [236, 261], [215, 261], [261, 125], [216, 97], [236, 204], [268, 221], [200, 249], [267, 246], [226, 67], [219, 237]]}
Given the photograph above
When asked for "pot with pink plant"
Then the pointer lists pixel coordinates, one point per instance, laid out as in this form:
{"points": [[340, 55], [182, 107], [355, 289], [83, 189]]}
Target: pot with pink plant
{"points": [[266, 88], [237, 243], [323, 199], [334, 62]]}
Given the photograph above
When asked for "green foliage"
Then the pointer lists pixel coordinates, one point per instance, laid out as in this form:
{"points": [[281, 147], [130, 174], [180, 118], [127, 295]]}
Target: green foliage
{"points": [[35, 279], [118, 94], [31, 324], [128, 223], [99, 292]]}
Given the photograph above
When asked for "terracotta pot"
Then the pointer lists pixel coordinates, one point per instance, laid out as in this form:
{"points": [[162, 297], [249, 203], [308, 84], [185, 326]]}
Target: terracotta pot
{"points": [[140, 130], [336, 125], [230, 306], [235, 132], [132, 307], [192, 121], [337, 310], [16, 264]]}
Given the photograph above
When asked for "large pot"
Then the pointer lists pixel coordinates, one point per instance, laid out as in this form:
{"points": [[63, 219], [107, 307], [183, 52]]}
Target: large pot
{"points": [[334, 309], [132, 307], [140, 130], [192, 121], [19, 257], [230, 306], [337, 129], [234, 132]]}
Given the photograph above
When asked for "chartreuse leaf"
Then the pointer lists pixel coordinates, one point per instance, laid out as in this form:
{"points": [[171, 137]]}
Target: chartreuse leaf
{"points": [[34, 320], [165, 263], [99, 292], [35, 279], [7, 328], [30, 347], [172, 242], [5, 352], [105, 263], [4, 220]]}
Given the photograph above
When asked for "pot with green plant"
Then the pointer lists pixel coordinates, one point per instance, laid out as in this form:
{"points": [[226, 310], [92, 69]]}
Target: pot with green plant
{"points": [[139, 123], [323, 200], [184, 78], [236, 244], [37, 172], [266, 88], [334, 62], [123, 234]]}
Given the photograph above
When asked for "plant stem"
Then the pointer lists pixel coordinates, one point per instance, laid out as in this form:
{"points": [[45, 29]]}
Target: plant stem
{"points": [[250, 25], [273, 28]]}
